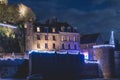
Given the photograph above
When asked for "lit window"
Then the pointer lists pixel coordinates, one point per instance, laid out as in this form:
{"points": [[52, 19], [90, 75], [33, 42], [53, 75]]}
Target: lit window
{"points": [[75, 39], [46, 45], [68, 38], [53, 45], [54, 38], [63, 46], [69, 46], [38, 29], [62, 38], [46, 37], [38, 45], [53, 29], [38, 37]]}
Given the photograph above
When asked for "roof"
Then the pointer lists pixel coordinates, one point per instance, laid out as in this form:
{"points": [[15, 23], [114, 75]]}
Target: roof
{"points": [[89, 38], [59, 26]]}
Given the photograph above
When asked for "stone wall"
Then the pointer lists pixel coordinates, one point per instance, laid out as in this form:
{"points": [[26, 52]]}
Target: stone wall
{"points": [[13, 68], [62, 66]]}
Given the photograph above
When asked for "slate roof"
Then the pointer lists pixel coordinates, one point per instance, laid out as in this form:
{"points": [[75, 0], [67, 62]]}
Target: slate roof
{"points": [[56, 25], [89, 38]]}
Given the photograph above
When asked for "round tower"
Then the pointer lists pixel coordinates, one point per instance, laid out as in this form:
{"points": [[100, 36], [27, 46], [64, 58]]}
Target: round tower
{"points": [[105, 57]]}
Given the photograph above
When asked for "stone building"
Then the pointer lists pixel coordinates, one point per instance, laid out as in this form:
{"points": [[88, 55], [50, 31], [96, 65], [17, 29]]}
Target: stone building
{"points": [[4, 2], [52, 36], [87, 42]]}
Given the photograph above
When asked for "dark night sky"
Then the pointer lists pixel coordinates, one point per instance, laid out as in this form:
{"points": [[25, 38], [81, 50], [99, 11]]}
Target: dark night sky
{"points": [[89, 16]]}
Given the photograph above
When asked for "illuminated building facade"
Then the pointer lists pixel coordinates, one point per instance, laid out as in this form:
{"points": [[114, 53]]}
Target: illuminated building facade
{"points": [[87, 42], [52, 36], [4, 2]]}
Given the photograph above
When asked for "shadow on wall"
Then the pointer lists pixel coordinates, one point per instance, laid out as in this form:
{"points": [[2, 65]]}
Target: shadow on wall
{"points": [[22, 70], [17, 68], [62, 66]]}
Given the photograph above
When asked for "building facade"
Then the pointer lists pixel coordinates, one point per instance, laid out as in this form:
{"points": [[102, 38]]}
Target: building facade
{"points": [[87, 43], [52, 36]]}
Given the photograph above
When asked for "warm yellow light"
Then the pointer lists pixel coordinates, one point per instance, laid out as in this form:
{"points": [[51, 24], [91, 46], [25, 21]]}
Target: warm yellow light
{"points": [[53, 29], [38, 29], [25, 25], [22, 10], [62, 38]]}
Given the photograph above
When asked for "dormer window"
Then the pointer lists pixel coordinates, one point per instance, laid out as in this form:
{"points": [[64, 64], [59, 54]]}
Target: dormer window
{"points": [[46, 29], [53, 29], [38, 29], [62, 28], [69, 29]]}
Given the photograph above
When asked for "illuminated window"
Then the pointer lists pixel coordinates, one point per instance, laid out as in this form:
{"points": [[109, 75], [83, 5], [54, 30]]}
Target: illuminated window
{"points": [[38, 37], [54, 38], [68, 38], [38, 29], [46, 37], [46, 45], [75, 39], [63, 47], [38, 45], [69, 46], [53, 29], [62, 38], [53, 45]]}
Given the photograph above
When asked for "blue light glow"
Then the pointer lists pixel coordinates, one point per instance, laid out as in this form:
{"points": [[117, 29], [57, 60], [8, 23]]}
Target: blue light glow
{"points": [[38, 51], [93, 62], [61, 52], [112, 42], [53, 52], [105, 45], [7, 25], [86, 55]]}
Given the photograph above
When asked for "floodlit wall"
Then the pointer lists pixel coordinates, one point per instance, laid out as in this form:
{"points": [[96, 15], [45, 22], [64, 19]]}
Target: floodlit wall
{"points": [[105, 56]]}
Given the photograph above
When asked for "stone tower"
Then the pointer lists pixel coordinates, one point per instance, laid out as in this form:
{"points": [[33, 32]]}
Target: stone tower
{"points": [[28, 36], [4, 2]]}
